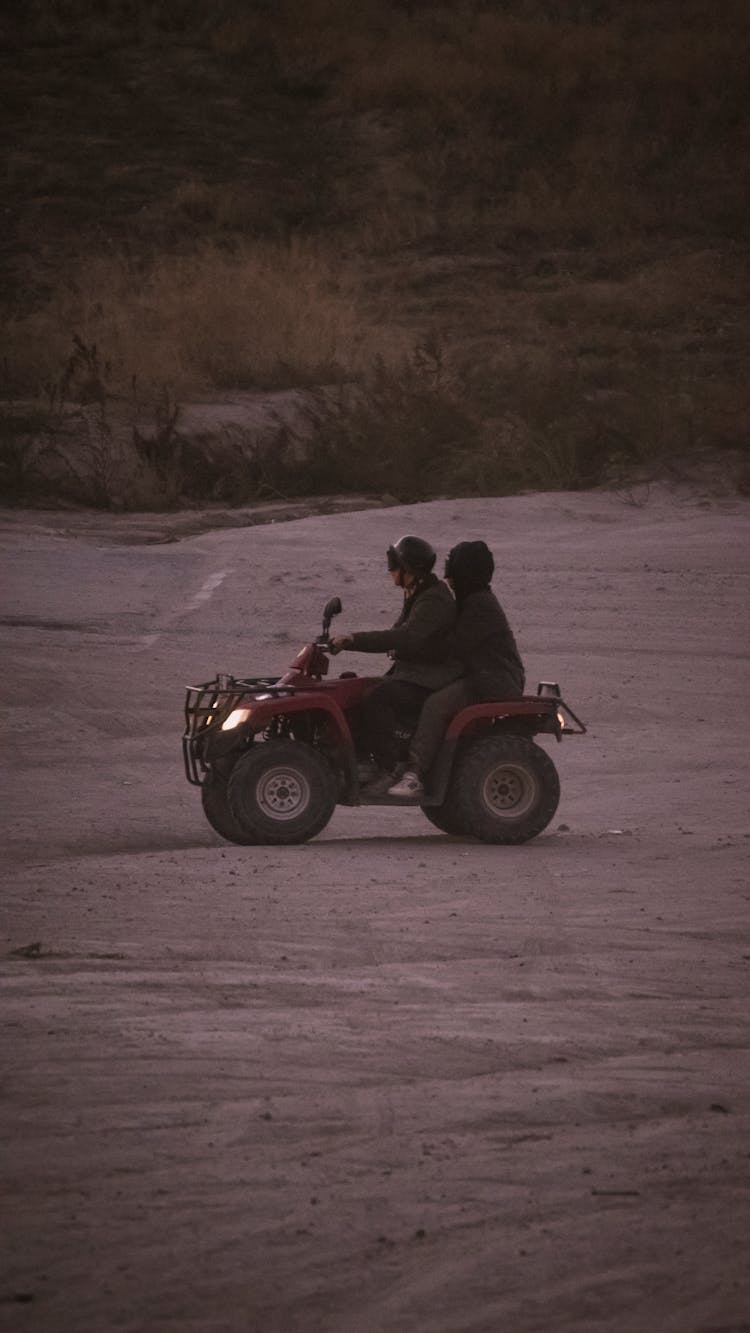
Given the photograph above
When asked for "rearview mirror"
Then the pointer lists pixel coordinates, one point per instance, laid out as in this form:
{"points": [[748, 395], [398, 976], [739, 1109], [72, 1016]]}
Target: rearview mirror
{"points": [[332, 608]]}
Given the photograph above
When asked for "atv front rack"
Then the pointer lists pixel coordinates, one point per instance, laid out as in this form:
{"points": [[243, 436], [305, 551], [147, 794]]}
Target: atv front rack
{"points": [[207, 706]]}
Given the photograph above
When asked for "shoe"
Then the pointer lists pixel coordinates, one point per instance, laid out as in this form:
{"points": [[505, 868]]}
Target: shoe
{"points": [[408, 785]]}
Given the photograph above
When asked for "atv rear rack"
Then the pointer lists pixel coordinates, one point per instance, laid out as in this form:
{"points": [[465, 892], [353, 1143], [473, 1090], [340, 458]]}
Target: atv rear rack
{"points": [[549, 689]]}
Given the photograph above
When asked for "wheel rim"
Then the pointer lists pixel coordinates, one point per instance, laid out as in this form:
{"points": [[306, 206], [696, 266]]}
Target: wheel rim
{"points": [[509, 791], [283, 793]]}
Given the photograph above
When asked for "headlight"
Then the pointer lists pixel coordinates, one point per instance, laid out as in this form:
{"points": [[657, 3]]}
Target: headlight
{"points": [[236, 718]]}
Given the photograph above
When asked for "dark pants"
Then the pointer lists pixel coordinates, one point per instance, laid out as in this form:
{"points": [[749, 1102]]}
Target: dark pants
{"points": [[391, 703], [441, 708]]}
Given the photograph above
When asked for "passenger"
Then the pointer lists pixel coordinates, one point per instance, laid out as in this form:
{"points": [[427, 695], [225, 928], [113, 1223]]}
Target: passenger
{"points": [[418, 644], [484, 642]]}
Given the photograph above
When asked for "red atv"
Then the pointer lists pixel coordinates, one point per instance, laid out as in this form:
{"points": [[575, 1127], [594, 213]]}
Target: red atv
{"points": [[274, 756]]}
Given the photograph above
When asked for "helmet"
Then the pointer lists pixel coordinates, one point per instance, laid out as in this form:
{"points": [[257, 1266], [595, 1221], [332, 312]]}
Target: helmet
{"points": [[412, 555], [470, 565]]}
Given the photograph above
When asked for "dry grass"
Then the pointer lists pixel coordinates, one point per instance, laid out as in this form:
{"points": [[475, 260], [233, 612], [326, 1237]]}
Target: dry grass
{"points": [[284, 193], [264, 315]]}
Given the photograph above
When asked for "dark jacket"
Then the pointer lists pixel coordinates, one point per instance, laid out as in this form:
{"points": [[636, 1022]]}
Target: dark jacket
{"points": [[484, 641], [483, 638], [419, 641]]}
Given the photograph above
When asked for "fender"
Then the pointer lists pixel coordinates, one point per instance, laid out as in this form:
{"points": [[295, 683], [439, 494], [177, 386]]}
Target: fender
{"points": [[262, 711], [544, 711], [544, 714]]}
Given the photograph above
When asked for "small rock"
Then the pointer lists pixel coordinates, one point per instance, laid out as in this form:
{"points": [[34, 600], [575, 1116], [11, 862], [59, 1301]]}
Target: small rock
{"points": [[28, 950]]}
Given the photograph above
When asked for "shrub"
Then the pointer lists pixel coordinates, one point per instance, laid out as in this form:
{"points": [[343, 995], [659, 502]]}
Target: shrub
{"points": [[397, 432]]}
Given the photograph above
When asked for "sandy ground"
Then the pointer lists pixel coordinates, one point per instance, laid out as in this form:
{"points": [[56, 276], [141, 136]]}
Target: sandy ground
{"points": [[390, 1081]]}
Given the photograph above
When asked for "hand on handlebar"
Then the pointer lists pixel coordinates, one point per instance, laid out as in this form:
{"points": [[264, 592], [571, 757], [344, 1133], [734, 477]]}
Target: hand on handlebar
{"points": [[339, 643]]}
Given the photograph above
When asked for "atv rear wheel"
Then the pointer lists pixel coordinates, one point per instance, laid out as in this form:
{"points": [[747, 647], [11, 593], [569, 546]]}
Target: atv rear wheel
{"points": [[282, 792], [215, 803], [505, 788]]}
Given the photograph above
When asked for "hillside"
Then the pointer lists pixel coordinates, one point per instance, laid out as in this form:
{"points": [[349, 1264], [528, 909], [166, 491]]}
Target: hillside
{"points": [[514, 235]]}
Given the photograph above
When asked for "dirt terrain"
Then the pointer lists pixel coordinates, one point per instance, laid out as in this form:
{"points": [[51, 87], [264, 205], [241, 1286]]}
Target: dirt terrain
{"points": [[389, 1080]]}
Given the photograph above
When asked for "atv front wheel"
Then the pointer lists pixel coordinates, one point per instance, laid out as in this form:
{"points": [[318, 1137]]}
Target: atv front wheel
{"points": [[215, 803], [282, 792], [505, 789]]}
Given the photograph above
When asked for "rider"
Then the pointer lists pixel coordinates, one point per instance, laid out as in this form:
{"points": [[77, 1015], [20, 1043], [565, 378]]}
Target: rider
{"points": [[418, 644], [484, 641]]}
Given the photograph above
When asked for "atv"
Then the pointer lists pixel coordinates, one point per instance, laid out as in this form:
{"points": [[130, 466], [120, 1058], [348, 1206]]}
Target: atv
{"points": [[273, 756]]}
